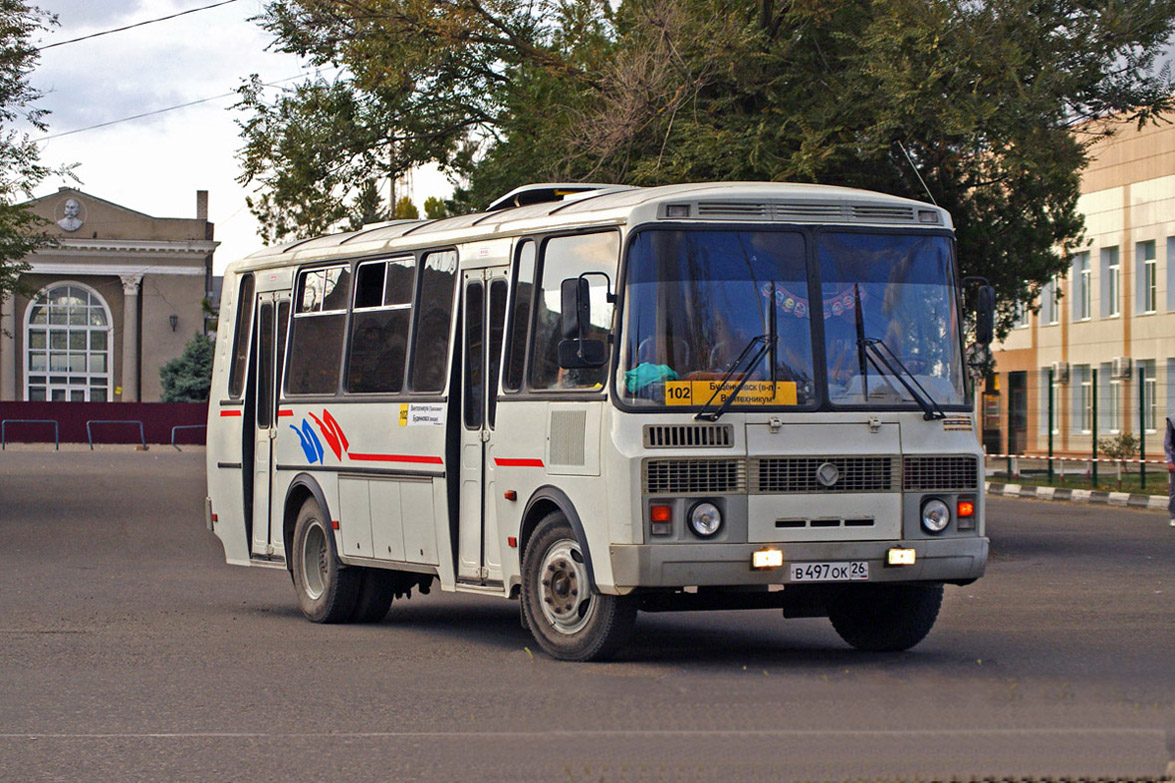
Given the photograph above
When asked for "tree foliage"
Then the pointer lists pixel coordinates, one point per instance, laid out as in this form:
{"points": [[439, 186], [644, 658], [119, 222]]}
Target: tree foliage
{"points": [[405, 209], [188, 377], [990, 107], [434, 208], [20, 166]]}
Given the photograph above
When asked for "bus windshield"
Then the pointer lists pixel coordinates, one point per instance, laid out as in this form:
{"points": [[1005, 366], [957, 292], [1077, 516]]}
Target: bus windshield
{"points": [[700, 304], [890, 296], [696, 300]]}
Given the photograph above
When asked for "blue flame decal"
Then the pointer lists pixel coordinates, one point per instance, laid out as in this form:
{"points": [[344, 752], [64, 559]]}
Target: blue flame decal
{"points": [[311, 445]]}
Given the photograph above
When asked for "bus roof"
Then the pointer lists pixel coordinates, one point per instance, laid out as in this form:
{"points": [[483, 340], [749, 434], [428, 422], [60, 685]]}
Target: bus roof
{"points": [[601, 205]]}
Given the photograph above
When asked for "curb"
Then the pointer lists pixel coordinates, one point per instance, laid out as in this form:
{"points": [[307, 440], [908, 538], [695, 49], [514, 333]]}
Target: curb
{"points": [[1130, 499]]}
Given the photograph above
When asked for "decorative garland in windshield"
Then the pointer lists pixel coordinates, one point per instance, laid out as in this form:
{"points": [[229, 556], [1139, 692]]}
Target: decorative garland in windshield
{"points": [[798, 306]]}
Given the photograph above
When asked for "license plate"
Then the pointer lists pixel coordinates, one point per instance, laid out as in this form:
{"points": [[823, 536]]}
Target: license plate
{"points": [[850, 571]]}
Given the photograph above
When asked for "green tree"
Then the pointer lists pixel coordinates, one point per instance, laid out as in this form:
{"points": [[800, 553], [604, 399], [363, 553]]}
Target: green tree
{"points": [[20, 167], [990, 107], [188, 377], [415, 81], [434, 208], [406, 210], [368, 207]]}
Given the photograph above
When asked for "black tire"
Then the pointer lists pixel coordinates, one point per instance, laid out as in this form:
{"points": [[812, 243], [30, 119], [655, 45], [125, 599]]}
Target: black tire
{"points": [[568, 618], [327, 590], [885, 618], [377, 588]]}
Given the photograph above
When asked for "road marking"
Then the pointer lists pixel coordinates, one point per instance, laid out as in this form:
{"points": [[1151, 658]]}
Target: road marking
{"points": [[1117, 732]]}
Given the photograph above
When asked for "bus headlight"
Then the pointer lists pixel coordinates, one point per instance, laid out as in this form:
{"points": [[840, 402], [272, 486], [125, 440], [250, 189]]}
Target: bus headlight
{"points": [[936, 515], [705, 519]]}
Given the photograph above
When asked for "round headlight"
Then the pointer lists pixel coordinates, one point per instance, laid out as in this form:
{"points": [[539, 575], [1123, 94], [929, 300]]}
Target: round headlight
{"points": [[705, 519], [936, 515]]}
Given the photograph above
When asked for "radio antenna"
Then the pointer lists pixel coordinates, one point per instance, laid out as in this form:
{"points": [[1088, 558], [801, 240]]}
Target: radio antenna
{"points": [[916, 174]]}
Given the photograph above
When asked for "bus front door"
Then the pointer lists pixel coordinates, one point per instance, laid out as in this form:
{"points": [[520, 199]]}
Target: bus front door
{"points": [[479, 553], [269, 340]]}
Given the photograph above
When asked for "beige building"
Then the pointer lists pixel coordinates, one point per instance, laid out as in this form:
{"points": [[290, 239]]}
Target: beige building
{"points": [[114, 301], [1105, 332]]}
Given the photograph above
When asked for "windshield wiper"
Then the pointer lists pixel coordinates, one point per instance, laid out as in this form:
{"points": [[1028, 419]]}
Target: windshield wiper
{"points": [[888, 359], [764, 343]]}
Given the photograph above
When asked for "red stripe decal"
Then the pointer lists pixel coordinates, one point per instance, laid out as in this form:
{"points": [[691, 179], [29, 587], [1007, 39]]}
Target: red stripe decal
{"points": [[397, 458], [225, 414], [518, 463], [282, 414]]}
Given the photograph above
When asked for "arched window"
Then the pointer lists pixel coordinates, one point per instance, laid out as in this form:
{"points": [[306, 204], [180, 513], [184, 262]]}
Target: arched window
{"points": [[67, 336]]}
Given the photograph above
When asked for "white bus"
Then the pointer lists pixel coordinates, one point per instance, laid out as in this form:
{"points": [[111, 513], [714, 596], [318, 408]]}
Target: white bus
{"points": [[604, 399]]}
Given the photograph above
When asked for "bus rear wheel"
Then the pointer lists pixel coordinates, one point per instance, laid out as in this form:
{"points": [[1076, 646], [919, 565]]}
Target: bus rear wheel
{"points": [[885, 618], [327, 590], [568, 618], [377, 588]]}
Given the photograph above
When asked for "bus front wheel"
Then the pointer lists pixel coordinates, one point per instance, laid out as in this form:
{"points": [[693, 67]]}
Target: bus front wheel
{"points": [[569, 619], [327, 590], [885, 618]]}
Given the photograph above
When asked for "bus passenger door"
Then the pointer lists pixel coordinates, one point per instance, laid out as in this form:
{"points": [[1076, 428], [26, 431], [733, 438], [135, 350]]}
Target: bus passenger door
{"points": [[273, 315], [484, 315]]}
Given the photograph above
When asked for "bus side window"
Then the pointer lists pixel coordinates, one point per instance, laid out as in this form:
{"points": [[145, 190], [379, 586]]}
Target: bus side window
{"points": [[434, 317], [379, 326], [240, 361], [566, 257], [497, 330], [320, 317], [520, 318]]}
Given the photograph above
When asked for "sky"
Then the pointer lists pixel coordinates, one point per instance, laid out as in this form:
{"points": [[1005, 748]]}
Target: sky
{"points": [[156, 164]]}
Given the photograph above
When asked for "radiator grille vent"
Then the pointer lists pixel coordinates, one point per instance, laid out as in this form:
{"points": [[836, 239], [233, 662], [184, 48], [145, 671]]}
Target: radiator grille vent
{"points": [[567, 437], [940, 473], [803, 212], [880, 214], [694, 476], [665, 436], [778, 475], [800, 212], [732, 209]]}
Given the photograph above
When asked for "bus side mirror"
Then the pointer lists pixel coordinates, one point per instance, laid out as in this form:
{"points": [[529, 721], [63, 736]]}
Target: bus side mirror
{"points": [[575, 350], [582, 354], [985, 315], [577, 307]]}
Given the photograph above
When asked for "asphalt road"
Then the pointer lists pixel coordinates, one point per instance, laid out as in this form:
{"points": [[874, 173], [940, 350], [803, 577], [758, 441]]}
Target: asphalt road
{"points": [[130, 651]]}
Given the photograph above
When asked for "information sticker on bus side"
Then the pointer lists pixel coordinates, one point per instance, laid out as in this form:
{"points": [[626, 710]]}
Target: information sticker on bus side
{"points": [[850, 571], [427, 414], [752, 392]]}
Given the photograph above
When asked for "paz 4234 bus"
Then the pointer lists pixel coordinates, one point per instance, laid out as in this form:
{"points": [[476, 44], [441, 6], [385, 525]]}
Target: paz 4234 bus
{"points": [[599, 400]]}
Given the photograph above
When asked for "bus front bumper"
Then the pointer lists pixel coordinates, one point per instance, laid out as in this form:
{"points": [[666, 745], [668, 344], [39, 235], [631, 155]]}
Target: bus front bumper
{"points": [[684, 565]]}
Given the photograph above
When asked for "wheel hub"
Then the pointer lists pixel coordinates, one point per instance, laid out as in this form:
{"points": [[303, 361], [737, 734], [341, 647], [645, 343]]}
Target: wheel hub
{"points": [[563, 588]]}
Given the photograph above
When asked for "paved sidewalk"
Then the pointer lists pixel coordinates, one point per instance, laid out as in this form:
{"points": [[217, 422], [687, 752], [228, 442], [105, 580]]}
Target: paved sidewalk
{"points": [[1132, 499]]}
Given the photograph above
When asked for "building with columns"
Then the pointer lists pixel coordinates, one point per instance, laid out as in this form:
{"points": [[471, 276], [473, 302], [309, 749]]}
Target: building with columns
{"points": [[115, 300], [1097, 360]]}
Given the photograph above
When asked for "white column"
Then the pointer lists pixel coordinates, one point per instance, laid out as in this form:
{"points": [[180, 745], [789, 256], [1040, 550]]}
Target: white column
{"points": [[130, 337], [8, 327]]}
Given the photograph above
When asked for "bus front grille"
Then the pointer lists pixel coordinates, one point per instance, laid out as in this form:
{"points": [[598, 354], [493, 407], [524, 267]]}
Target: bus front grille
{"points": [[670, 436], [923, 474], [783, 475], [694, 476]]}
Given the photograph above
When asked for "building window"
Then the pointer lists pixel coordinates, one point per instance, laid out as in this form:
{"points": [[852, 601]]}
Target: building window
{"points": [[1114, 406], [1020, 316], [1050, 298], [1149, 390], [1170, 274], [1049, 401], [1148, 289], [1111, 282], [1081, 287], [67, 335], [1084, 389]]}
